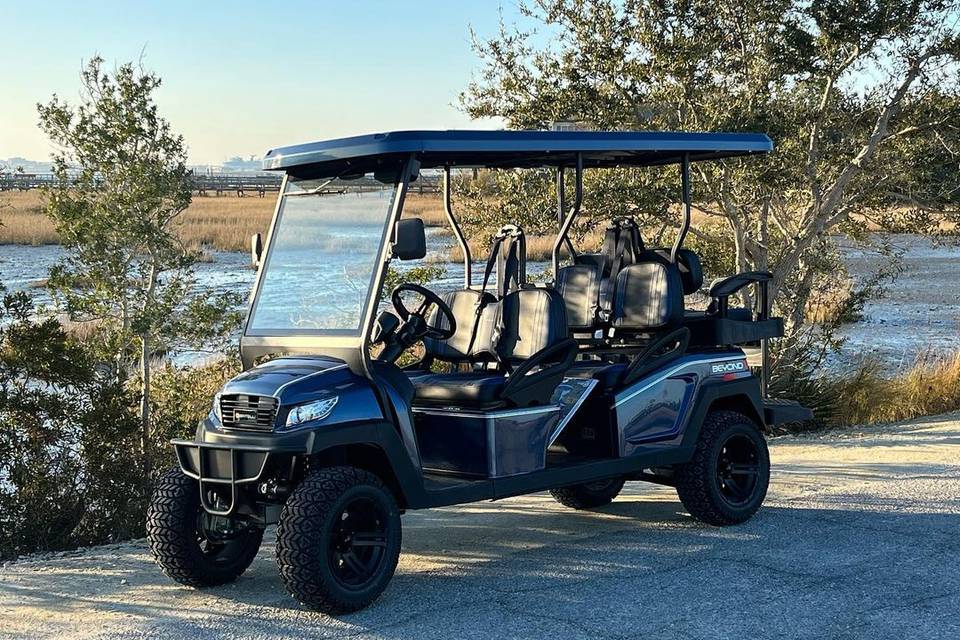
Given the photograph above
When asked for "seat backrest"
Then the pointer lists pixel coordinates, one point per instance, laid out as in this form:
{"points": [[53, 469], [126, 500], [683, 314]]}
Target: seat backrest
{"points": [[474, 310], [529, 320], [588, 285], [579, 286], [467, 306], [648, 294]]}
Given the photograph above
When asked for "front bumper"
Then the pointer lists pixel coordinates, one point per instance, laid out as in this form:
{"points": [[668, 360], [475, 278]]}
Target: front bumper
{"points": [[226, 470]]}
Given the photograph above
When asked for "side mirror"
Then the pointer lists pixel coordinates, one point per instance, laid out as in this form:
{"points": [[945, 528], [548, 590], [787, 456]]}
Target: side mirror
{"points": [[409, 240], [256, 249]]}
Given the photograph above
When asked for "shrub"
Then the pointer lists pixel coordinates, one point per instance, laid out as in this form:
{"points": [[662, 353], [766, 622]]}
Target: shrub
{"points": [[69, 434], [67, 476]]}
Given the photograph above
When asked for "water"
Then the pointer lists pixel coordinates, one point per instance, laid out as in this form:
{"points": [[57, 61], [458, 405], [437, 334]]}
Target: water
{"points": [[921, 311]]}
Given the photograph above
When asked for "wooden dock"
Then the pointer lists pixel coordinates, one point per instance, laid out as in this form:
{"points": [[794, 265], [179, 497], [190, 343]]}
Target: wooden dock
{"points": [[240, 184]]}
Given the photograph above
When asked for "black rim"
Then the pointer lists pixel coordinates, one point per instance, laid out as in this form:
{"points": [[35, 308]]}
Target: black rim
{"points": [[358, 543], [221, 546], [738, 469]]}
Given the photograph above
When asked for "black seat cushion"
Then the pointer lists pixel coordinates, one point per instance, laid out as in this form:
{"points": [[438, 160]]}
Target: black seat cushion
{"points": [[691, 271], [469, 388]]}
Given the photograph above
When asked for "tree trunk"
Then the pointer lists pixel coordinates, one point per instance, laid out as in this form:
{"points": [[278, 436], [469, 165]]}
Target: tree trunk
{"points": [[145, 444]]}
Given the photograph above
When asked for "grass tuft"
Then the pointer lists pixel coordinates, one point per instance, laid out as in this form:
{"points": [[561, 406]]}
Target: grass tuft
{"points": [[930, 386]]}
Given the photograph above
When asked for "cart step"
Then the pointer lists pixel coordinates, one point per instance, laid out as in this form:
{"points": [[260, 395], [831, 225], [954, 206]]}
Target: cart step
{"points": [[777, 411]]}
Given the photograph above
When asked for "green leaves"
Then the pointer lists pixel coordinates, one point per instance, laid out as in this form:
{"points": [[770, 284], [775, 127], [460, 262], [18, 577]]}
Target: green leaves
{"points": [[123, 181], [859, 96]]}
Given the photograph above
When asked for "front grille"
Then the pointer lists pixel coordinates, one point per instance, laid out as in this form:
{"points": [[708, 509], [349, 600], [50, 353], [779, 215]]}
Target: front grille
{"points": [[248, 412]]}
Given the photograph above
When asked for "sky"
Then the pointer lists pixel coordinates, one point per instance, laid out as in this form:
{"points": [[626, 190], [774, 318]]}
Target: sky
{"points": [[242, 77]]}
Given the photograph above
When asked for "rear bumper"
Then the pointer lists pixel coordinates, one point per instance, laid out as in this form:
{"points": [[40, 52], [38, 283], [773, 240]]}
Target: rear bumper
{"points": [[225, 470]]}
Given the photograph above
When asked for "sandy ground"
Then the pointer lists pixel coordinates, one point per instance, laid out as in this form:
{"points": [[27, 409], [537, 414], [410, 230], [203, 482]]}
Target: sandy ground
{"points": [[858, 539]]}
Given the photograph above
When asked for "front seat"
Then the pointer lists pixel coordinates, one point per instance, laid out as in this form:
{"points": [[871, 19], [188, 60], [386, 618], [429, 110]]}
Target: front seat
{"points": [[530, 345], [469, 308]]}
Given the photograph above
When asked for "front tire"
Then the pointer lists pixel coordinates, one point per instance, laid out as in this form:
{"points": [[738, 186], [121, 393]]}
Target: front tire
{"points": [[589, 495], [726, 481], [338, 540], [183, 542]]}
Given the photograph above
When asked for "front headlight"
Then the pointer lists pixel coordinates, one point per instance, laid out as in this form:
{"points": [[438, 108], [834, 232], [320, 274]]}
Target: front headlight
{"points": [[216, 406], [311, 411]]}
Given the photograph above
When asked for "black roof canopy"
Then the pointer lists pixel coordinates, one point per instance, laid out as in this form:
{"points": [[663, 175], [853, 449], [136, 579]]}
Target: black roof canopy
{"points": [[512, 149]]}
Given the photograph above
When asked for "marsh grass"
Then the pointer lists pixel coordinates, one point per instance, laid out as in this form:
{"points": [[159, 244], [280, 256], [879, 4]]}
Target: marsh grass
{"points": [[427, 207], [539, 248], [23, 221], [222, 223], [930, 386]]}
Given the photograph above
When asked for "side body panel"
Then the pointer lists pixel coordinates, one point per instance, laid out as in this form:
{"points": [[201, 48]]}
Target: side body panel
{"points": [[656, 410]]}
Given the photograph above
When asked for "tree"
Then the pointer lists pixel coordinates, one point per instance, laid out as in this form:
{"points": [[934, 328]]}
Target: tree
{"points": [[122, 185], [861, 98]]}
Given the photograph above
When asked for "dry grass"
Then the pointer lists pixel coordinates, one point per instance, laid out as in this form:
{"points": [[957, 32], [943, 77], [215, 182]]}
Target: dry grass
{"points": [[929, 387], [427, 207], [539, 248], [23, 220], [224, 223]]}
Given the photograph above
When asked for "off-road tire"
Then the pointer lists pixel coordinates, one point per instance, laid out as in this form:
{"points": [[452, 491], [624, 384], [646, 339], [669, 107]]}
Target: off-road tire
{"points": [[172, 533], [311, 526], [589, 495], [698, 481]]}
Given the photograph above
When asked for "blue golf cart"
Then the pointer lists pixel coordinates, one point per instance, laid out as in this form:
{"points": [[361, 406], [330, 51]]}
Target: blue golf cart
{"points": [[352, 410]]}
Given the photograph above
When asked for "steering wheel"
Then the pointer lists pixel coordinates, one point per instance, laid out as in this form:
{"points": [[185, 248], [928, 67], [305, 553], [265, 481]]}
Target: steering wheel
{"points": [[429, 298]]}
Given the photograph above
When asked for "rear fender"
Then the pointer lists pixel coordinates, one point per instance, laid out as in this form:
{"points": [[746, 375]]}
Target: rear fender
{"points": [[742, 396]]}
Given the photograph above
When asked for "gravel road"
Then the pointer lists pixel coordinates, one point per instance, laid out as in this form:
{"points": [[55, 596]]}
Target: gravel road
{"points": [[858, 539]]}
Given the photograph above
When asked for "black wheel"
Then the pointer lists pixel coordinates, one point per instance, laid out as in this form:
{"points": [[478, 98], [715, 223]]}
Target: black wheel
{"points": [[589, 495], [338, 540], [192, 547], [726, 481]]}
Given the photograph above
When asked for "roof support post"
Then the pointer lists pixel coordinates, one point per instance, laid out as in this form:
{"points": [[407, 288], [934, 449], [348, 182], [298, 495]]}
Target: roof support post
{"points": [[685, 187], [562, 208], [448, 209], [568, 221]]}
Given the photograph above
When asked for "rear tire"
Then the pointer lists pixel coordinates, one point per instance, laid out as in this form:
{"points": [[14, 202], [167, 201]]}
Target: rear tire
{"points": [[589, 495], [726, 481], [181, 543], [338, 540]]}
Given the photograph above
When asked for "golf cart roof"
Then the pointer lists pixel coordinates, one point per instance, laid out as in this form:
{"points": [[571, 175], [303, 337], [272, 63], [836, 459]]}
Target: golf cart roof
{"points": [[513, 149]]}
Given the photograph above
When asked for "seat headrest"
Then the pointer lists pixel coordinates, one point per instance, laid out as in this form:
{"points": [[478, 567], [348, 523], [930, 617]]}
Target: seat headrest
{"points": [[691, 271]]}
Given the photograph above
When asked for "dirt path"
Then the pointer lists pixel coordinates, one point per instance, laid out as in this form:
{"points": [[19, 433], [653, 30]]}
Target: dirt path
{"points": [[858, 539]]}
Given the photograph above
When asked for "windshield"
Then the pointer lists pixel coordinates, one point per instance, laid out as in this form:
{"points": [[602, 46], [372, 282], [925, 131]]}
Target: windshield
{"points": [[322, 257]]}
